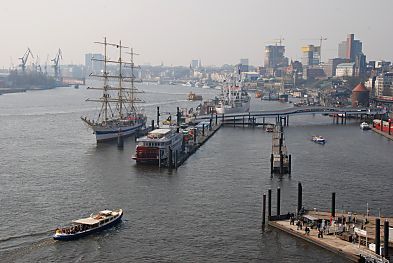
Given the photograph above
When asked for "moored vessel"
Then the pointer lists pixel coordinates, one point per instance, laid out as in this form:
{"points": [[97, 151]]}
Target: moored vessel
{"points": [[85, 226], [318, 139], [158, 146], [365, 126], [193, 97], [234, 99], [118, 116]]}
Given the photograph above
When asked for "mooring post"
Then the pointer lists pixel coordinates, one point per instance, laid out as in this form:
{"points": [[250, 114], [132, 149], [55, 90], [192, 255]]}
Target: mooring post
{"points": [[342, 119], [290, 164], [386, 239], [269, 204], [271, 162], [158, 116], [333, 212], [243, 121], [287, 120], [120, 141], [222, 119], [203, 129], [378, 236], [170, 157], [178, 116], [152, 124], [299, 197], [211, 123], [263, 122], [278, 202], [345, 118], [390, 125], [234, 121], [216, 119], [281, 163], [195, 135], [381, 123], [263, 210]]}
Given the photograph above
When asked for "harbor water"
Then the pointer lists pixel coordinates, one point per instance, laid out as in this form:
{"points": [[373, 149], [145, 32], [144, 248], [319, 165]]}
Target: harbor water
{"points": [[208, 210]]}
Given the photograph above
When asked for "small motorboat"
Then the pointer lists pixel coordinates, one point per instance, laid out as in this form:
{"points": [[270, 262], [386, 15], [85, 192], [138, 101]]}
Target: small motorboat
{"points": [[85, 226], [365, 126], [318, 139], [269, 128]]}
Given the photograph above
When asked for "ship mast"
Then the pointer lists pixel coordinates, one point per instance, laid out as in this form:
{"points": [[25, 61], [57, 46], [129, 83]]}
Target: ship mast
{"points": [[124, 100]]}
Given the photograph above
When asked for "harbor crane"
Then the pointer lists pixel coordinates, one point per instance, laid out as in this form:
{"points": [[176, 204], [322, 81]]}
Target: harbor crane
{"points": [[56, 64], [24, 59], [321, 39]]}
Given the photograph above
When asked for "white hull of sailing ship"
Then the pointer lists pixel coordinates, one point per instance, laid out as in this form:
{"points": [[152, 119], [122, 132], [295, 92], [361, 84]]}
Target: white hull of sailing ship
{"points": [[113, 131]]}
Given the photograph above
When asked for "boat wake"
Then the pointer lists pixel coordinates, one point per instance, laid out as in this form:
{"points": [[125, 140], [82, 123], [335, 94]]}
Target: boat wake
{"points": [[10, 242]]}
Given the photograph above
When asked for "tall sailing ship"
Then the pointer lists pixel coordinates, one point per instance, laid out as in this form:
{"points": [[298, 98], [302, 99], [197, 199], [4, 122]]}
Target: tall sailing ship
{"points": [[233, 99], [118, 116]]}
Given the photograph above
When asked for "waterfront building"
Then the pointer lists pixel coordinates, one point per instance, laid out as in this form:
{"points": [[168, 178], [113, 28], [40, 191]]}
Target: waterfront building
{"points": [[384, 84], [345, 70], [274, 56], [311, 55], [249, 76], [360, 96]]}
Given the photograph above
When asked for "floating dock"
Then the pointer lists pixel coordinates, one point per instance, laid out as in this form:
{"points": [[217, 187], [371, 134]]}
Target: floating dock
{"points": [[355, 236]]}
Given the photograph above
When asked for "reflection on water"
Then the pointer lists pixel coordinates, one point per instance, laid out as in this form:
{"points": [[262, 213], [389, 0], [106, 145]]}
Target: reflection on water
{"points": [[209, 209]]}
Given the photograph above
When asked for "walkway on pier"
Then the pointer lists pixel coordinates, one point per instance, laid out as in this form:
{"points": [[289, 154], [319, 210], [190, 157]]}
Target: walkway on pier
{"points": [[293, 111]]}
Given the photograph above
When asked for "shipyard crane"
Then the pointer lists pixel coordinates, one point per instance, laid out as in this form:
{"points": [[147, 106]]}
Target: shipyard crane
{"points": [[56, 64], [320, 45], [279, 40], [24, 59]]}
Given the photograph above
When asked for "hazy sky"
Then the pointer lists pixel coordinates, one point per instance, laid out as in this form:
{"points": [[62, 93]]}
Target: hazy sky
{"points": [[176, 31]]}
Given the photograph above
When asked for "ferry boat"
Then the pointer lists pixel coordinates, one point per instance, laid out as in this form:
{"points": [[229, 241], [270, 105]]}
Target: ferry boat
{"points": [[234, 99], [85, 226], [318, 139], [118, 114], [365, 126], [156, 146], [193, 97]]}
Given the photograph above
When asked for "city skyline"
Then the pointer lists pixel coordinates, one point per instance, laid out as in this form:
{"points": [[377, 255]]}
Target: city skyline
{"points": [[175, 32]]}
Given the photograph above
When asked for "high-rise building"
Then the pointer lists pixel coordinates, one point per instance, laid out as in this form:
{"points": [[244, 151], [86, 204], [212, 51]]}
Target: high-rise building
{"points": [[243, 66], [384, 84], [195, 63], [94, 63], [350, 48], [274, 56], [311, 55]]}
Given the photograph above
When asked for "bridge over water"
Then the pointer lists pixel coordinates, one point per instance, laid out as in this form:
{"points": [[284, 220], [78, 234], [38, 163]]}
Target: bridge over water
{"points": [[278, 115]]}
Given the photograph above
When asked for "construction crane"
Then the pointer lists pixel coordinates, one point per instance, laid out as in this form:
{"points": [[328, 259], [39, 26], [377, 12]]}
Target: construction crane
{"points": [[24, 59], [56, 64], [320, 45], [279, 40]]}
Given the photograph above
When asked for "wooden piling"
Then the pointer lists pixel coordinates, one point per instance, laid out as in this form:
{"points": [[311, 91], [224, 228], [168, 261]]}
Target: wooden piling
{"points": [[158, 117], [299, 197], [386, 239], [263, 210], [269, 204], [290, 164], [271, 163], [152, 124], [333, 212], [378, 236], [278, 201]]}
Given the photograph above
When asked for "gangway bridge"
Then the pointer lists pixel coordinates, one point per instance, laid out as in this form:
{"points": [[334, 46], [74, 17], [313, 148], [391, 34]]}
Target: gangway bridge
{"points": [[283, 114]]}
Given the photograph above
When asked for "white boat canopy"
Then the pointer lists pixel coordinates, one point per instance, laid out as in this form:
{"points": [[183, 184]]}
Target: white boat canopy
{"points": [[86, 221]]}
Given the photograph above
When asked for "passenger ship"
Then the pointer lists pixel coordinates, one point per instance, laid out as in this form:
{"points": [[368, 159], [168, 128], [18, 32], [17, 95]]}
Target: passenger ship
{"points": [[85, 226], [157, 146], [234, 99]]}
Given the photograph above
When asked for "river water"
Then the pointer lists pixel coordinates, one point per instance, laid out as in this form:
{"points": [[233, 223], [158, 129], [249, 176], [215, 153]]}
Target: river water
{"points": [[209, 210]]}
